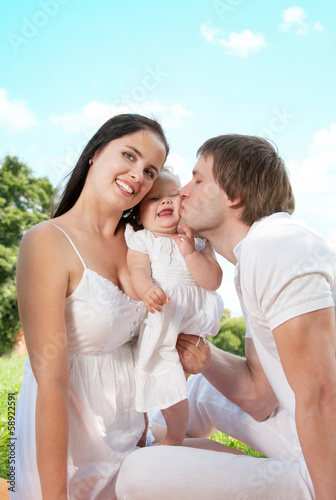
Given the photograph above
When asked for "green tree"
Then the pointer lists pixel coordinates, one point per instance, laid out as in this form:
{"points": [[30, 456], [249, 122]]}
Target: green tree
{"points": [[24, 202], [231, 335]]}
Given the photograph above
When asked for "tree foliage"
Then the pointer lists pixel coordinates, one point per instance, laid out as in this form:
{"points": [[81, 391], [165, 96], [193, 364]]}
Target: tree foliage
{"points": [[24, 202], [231, 335]]}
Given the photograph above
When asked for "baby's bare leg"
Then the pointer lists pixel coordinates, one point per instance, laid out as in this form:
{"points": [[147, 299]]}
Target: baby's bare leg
{"points": [[159, 432], [176, 417]]}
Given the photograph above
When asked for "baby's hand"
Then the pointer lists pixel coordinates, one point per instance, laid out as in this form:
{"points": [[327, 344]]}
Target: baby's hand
{"points": [[154, 298], [185, 242]]}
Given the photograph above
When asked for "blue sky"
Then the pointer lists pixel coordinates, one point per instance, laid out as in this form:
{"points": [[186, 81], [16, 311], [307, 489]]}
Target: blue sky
{"points": [[202, 68]]}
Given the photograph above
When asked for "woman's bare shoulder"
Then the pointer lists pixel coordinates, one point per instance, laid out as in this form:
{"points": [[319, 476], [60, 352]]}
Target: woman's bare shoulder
{"points": [[42, 229], [44, 237]]}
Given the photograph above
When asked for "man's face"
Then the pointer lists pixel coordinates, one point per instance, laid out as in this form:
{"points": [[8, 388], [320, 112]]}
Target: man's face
{"points": [[203, 201]]}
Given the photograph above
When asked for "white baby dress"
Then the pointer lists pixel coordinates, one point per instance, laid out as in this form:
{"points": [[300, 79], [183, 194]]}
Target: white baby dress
{"points": [[104, 427], [160, 380]]}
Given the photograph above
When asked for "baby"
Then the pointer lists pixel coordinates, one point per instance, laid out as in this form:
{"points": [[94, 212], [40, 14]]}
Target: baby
{"points": [[175, 275]]}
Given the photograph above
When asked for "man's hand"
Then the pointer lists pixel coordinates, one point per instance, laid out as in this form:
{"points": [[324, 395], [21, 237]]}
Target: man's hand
{"points": [[195, 355], [154, 298]]}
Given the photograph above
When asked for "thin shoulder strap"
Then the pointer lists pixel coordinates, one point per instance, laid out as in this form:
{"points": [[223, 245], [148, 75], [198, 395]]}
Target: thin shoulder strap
{"points": [[73, 245]]}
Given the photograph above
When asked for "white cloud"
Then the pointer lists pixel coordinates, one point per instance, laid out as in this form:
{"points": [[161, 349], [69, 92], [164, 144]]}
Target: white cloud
{"points": [[324, 141], [208, 32], [332, 238], [227, 290], [295, 18], [95, 113], [242, 44], [314, 181], [318, 27], [16, 114], [91, 116], [179, 165], [169, 116], [312, 173]]}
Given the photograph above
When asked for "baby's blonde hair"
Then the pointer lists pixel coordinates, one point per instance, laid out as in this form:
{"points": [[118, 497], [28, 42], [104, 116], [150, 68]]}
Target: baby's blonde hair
{"points": [[169, 169]]}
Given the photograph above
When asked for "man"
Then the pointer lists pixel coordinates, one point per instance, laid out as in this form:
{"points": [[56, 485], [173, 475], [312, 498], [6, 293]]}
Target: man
{"points": [[281, 399]]}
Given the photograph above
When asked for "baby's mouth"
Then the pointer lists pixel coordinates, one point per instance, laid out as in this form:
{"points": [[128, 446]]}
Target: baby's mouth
{"points": [[167, 212]]}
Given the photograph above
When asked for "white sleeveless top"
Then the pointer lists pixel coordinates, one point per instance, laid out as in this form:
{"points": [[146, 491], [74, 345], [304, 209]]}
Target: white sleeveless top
{"points": [[101, 322]]}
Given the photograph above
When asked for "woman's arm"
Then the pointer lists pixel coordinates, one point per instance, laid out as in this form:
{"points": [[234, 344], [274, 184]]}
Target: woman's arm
{"points": [[152, 295], [202, 265], [42, 283]]}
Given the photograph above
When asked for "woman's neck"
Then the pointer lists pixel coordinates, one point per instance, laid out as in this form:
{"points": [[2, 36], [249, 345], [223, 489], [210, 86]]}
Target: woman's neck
{"points": [[95, 217]]}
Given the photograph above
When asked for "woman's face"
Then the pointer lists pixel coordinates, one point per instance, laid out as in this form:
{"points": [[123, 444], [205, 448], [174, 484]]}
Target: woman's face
{"points": [[124, 171]]}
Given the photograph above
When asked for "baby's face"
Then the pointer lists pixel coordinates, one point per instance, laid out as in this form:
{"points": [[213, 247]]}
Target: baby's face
{"points": [[160, 208]]}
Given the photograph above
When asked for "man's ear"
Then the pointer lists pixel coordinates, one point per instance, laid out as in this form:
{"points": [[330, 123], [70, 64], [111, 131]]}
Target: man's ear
{"points": [[234, 202]]}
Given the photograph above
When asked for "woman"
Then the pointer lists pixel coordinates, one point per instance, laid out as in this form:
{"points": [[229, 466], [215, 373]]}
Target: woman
{"points": [[80, 313]]}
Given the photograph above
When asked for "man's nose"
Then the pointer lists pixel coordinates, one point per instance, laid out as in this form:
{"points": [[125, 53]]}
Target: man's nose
{"points": [[185, 191]]}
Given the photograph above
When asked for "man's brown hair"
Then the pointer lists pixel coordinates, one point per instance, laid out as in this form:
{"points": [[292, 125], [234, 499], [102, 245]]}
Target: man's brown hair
{"points": [[249, 167]]}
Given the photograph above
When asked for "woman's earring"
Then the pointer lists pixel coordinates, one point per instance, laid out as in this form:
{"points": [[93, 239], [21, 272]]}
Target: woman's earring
{"points": [[90, 162], [127, 213]]}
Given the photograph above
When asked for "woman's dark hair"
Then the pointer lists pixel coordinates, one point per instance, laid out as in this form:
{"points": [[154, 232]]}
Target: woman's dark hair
{"points": [[116, 127]]}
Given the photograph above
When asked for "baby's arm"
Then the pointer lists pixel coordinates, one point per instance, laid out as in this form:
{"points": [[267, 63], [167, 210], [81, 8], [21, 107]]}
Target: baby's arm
{"points": [[202, 265], [152, 295]]}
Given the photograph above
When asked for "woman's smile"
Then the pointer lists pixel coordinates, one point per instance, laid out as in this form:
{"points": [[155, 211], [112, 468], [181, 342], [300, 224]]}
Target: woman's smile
{"points": [[125, 186]]}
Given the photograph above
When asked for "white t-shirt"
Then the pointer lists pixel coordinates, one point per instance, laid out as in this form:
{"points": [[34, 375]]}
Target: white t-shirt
{"points": [[284, 269]]}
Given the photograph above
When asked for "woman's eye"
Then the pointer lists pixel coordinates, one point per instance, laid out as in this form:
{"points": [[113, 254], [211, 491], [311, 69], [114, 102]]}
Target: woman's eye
{"points": [[150, 173], [129, 156]]}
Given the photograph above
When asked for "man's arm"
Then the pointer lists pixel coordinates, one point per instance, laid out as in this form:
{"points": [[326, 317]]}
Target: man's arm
{"points": [[241, 380], [307, 347]]}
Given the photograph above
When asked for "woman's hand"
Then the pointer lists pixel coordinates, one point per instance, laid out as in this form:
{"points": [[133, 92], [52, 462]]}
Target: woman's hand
{"points": [[195, 355]]}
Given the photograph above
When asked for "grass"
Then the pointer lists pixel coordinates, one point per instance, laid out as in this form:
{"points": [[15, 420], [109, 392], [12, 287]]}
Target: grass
{"points": [[11, 372], [234, 443]]}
